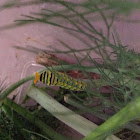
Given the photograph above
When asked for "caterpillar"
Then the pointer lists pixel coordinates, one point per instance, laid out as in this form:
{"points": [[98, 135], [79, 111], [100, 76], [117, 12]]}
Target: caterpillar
{"points": [[61, 80]]}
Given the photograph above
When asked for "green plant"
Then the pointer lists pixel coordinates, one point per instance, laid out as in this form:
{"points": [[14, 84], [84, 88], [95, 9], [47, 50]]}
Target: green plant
{"points": [[119, 67]]}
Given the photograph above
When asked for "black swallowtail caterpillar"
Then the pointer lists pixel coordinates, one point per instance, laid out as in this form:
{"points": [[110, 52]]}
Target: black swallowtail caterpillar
{"points": [[60, 79]]}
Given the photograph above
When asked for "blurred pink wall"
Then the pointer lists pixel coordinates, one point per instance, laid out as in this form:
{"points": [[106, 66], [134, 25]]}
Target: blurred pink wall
{"points": [[12, 61]]}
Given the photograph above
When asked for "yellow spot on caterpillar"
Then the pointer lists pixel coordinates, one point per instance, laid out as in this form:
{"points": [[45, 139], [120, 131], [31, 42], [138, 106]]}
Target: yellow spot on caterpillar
{"points": [[49, 74], [65, 84], [67, 79], [76, 83], [69, 86]]}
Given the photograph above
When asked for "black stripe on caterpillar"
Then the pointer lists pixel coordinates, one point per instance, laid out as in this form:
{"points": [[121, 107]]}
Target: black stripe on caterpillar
{"points": [[60, 79]]}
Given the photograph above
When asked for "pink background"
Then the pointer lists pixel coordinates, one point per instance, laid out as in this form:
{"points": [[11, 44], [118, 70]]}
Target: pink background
{"points": [[12, 61]]}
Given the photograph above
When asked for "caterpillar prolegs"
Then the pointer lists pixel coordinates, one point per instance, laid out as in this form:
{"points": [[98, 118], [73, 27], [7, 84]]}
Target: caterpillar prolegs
{"points": [[61, 80]]}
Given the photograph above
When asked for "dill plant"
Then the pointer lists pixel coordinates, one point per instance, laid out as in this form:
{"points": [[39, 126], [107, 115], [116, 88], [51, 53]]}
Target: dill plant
{"points": [[118, 69]]}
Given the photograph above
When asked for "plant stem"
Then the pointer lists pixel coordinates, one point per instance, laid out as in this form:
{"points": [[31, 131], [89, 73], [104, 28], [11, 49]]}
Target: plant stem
{"points": [[32, 76], [93, 111], [61, 68], [19, 124], [64, 114], [33, 119], [13, 87], [128, 113], [133, 127]]}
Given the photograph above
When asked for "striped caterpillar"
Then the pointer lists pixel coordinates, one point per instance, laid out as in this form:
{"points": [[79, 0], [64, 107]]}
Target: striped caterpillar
{"points": [[61, 80]]}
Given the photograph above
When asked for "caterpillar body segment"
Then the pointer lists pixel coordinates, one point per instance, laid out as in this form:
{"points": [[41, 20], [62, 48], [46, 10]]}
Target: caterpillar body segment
{"points": [[60, 79]]}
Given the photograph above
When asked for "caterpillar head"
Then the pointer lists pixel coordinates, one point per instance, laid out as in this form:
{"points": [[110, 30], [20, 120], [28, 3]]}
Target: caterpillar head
{"points": [[37, 76]]}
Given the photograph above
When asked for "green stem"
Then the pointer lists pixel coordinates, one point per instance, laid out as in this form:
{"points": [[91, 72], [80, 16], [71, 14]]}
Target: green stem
{"points": [[33, 119], [133, 127], [70, 118], [13, 87], [32, 76], [85, 109], [60, 68], [31, 132], [20, 125], [128, 113]]}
